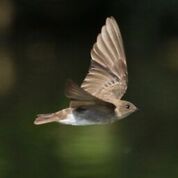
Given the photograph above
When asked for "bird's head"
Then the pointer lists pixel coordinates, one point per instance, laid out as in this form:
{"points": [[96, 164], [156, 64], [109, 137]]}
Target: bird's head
{"points": [[125, 108]]}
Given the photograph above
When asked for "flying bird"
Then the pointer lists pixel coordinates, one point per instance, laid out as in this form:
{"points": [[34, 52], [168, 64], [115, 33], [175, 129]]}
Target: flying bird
{"points": [[98, 99]]}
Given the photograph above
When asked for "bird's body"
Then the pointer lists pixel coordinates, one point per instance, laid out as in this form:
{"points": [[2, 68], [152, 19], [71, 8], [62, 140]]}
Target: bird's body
{"points": [[98, 100], [80, 117], [87, 117]]}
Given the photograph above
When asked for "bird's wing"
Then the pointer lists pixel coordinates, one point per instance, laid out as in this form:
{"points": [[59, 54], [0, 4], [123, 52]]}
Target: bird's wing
{"points": [[82, 99], [107, 76]]}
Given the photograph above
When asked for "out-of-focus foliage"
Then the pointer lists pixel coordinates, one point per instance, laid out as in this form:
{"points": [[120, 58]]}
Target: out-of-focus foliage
{"points": [[45, 42]]}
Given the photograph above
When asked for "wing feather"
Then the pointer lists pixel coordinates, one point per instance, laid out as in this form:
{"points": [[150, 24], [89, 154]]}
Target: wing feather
{"points": [[107, 76]]}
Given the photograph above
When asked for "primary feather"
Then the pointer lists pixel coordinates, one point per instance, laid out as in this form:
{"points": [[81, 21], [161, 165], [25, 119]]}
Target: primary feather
{"points": [[107, 76]]}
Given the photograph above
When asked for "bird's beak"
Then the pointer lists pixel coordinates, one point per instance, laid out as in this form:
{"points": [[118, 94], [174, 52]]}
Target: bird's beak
{"points": [[136, 109]]}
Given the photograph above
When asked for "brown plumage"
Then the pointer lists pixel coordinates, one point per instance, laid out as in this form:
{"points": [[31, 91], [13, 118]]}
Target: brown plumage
{"points": [[107, 77], [98, 100]]}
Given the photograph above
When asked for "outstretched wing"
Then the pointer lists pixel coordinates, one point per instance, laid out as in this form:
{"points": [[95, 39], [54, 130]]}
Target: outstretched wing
{"points": [[107, 76], [82, 99]]}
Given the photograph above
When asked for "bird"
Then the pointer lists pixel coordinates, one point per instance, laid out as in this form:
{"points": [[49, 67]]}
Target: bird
{"points": [[99, 98]]}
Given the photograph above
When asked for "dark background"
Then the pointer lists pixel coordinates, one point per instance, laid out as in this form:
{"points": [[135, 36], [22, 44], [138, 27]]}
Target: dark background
{"points": [[45, 42]]}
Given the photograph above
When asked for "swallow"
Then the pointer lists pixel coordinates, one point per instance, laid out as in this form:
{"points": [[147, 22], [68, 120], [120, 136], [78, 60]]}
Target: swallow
{"points": [[98, 99]]}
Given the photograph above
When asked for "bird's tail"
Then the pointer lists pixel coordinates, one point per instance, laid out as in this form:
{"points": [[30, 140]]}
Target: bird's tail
{"points": [[52, 117]]}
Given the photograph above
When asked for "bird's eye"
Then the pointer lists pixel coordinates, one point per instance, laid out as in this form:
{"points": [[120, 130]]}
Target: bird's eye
{"points": [[127, 106]]}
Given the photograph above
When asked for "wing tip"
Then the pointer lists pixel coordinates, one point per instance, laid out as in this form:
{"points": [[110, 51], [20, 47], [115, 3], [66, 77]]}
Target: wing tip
{"points": [[71, 88], [69, 85], [110, 18]]}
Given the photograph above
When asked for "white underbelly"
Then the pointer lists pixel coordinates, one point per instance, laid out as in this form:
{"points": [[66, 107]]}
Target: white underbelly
{"points": [[72, 120]]}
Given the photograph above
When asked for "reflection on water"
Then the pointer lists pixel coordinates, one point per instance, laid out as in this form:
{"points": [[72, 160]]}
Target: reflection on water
{"points": [[90, 148]]}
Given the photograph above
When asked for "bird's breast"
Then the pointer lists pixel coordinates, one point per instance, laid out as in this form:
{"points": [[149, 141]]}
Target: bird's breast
{"points": [[87, 117]]}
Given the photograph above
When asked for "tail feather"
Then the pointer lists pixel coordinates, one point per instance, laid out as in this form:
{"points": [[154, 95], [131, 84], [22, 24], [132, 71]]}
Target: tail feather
{"points": [[45, 118], [53, 117]]}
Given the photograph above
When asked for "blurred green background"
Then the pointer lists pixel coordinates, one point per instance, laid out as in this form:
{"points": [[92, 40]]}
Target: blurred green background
{"points": [[45, 42]]}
